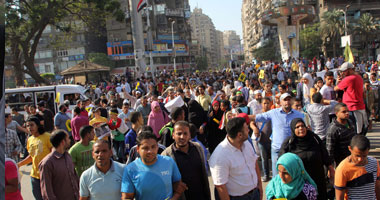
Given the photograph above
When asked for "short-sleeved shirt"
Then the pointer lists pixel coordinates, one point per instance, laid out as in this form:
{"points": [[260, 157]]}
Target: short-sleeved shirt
{"points": [[130, 140], [11, 172], [38, 148], [13, 125], [99, 186], [280, 124], [359, 181], [62, 121], [82, 157], [353, 92], [237, 170], [153, 181]]}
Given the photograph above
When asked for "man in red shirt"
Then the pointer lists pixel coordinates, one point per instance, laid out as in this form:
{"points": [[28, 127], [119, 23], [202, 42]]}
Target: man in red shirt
{"points": [[352, 85]]}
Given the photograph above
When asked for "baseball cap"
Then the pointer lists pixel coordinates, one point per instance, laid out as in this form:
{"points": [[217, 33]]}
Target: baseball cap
{"points": [[346, 66], [285, 95], [245, 116]]}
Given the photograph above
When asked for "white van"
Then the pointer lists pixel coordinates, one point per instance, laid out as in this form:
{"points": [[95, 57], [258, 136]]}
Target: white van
{"points": [[19, 97]]}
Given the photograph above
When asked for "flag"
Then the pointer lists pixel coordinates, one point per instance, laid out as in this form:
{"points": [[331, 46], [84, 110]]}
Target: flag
{"points": [[348, 57], [26, 82], [57, 97], [137, 85], [222, 122], [142, 4]]}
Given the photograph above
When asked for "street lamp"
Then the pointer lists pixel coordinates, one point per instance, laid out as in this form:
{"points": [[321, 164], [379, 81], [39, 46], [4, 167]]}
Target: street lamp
{"points": [[173, 47], [345, 19]]}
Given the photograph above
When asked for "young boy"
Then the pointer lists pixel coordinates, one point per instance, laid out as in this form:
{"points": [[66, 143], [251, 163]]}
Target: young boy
{"points": [[327, 90], [118, 129]]}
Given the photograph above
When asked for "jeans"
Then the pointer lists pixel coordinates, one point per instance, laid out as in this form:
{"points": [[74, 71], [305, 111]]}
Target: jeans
{"points": [[119, 147], [274, 153], [264, 152], [255, 195], [36, 188]]}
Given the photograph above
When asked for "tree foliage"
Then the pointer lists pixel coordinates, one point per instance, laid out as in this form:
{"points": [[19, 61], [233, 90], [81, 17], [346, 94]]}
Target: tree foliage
{"points": [[101, 59], [201, 63], [269, 51], [333, 27], [26, 21], [310, 41], [366, 27]]}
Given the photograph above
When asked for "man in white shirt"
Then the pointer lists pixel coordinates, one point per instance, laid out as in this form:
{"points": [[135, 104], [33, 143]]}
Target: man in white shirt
{"points": [[255, 104], [236, 175]]}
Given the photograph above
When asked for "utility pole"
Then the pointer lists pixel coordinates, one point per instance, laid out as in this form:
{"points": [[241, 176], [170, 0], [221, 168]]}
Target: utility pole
{"points": [[138, 38], [345, 19], [150, 38], [173, 47]]}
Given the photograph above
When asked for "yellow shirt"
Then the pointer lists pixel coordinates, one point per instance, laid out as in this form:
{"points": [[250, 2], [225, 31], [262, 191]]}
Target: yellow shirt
{"points": [[204, 101], [98, 121], [295, 67], [38, 148]]}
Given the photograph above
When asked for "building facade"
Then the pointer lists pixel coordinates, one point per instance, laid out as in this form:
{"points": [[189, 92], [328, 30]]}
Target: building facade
{"points": [[204, 33], [254, 33], [161, 14]]}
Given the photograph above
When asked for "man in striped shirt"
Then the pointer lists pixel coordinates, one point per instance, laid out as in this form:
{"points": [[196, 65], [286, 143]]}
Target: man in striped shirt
{"points": [[357, 176]]}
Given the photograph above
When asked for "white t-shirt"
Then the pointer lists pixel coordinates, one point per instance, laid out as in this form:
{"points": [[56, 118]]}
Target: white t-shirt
{"points": [[237, 171], [327, 92]]}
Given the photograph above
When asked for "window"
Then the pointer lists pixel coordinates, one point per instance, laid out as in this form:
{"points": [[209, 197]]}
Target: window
{"points": [[19, 100], [48, 97], [62, 53], [47, 69]]}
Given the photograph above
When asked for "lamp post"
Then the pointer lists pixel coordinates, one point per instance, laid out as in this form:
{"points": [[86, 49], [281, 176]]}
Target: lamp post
{"points": [[173, 47], [345, 19]]}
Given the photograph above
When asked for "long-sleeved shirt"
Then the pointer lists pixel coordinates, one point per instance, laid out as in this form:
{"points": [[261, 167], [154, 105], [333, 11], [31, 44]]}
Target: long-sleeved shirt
{"points": [[280, 124], [337, 140], [58, 177], [12, 144]]}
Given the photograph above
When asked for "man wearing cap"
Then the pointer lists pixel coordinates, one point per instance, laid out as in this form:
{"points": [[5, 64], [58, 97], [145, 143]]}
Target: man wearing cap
{"points": [[352, 85], [47, 115], [280, 118]]}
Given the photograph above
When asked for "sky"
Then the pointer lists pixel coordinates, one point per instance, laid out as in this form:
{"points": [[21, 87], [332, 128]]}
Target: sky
{"points": [[225, 14]]}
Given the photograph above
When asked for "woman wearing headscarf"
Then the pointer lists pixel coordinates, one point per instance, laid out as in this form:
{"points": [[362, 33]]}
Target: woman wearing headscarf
{"points": [[197, 116], [157, 118], [292, 181], [306, 86], [215, 135], [309, 147]]}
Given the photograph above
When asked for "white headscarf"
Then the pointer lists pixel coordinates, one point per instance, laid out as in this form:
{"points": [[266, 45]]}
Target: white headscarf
{"points": [[306, 87]]}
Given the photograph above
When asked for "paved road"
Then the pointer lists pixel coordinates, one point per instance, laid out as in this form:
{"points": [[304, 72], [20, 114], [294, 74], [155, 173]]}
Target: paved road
{"points": [[374, 137]]}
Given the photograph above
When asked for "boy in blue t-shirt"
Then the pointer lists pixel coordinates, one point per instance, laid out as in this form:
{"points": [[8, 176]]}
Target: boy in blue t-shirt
{"points": [[151, 176]]}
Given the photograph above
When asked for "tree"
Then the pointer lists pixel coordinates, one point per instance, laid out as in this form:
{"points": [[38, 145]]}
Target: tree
{"points": [[366, 27], [269, 51], [333, 27], [26, 21], [101, 59], [310, 41], [201, 63]]}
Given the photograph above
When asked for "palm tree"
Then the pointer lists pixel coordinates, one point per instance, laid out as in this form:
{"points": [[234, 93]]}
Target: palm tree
{"points": [[333, 26], [366, 27]]}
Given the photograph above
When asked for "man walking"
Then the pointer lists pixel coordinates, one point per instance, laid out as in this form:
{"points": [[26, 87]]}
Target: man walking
{"points": [[190, 159], [357, 176], [103, 179], [280, 118], [236, 176], [81, 151], [57, 174], [151, 176], [339, 134]]}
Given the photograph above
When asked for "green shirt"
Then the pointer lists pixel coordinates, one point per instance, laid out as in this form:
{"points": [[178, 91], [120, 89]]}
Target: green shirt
{"points": [[82, 157]]}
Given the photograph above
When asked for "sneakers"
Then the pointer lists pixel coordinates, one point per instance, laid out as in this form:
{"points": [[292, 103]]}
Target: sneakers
{"points": [[265, 179]]}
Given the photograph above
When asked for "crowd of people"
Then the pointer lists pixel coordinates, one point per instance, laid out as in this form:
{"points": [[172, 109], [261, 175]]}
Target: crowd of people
{"points": [[301, 126]]}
